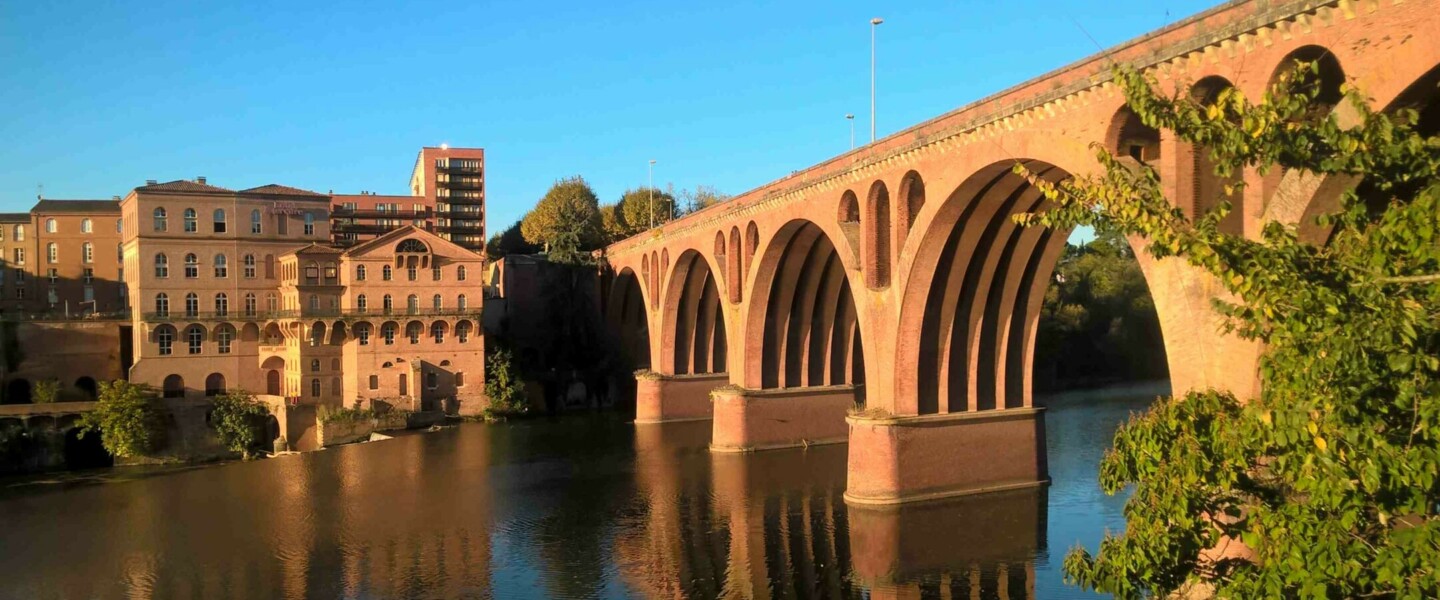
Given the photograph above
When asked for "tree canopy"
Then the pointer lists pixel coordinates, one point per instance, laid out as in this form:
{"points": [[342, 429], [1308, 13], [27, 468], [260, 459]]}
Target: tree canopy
{"points": [[1331, 477], [637, 211], [127, 418], [566, 221], [509, 241], [700, 198]]}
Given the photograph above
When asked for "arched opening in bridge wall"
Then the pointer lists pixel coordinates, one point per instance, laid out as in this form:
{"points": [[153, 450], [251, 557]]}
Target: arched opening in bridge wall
{"points": [[910, 202], [1132, 138], [876, 227], [694, 319], [734, 271], [1326, 82], [1209, 189], [628, 319], [977, 292], [810, 335]]}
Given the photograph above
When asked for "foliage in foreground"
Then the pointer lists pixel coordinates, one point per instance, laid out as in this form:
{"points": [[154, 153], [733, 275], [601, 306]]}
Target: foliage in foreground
{"points": [[239, 421], [127, 418], [1332, 476], [503, 387]]}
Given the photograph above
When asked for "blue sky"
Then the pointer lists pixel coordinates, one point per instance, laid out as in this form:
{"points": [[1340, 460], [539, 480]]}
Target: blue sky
{"points": [[95, 97]]}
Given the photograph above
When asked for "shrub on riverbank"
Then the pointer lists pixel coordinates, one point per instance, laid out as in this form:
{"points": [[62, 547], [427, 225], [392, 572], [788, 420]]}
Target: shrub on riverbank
{"points": [[47, 391], [340, 414], [239, 421], [503, 387], [127, 418]]}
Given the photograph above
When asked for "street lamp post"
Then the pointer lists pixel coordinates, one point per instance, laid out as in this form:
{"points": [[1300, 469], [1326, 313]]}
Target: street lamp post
{"points": [[873, 24], [652, 193], [851, 118]]}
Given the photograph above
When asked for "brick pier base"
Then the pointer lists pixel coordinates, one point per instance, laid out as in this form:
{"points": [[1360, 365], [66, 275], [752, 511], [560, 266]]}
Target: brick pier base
{"points": [[747, 420], [893, 460], [668, 398]]}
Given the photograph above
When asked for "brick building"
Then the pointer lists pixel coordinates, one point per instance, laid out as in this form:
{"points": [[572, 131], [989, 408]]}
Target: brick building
{"points": [[447, 197]]}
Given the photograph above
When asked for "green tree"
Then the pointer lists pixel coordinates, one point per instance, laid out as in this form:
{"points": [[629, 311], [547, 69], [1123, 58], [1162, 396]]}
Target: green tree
{"points": [[127, 418], [613, 224], [566, 221], [1331, 477], [509, 241], [46, 391], [700, 198], [239, 420], [641, 207], [503, 387]]}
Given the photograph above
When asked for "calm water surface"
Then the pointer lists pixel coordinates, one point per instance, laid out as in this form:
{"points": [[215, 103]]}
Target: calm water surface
{"points": [[581, 507]]}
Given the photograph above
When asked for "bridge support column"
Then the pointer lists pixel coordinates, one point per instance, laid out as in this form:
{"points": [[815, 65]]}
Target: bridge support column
{"points": [[667, 398], [894, 460], [747, 420]]}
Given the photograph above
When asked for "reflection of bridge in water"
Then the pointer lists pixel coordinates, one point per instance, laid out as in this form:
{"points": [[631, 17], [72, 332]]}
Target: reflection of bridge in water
{"points": [[775, 525]]}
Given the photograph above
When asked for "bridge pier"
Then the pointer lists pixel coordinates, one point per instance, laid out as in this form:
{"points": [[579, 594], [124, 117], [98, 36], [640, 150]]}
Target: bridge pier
{"points": [[894, 460], [661, 398], [747, 419]]}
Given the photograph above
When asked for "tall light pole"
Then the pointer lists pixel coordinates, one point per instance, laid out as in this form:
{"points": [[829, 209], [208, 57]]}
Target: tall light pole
{"points": [[851, 118], [652, 193], [873, 24]]}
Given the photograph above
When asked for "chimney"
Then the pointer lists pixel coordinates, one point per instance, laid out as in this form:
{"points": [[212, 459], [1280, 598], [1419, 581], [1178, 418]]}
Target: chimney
{"points": [[200, 180], [150, 182]]}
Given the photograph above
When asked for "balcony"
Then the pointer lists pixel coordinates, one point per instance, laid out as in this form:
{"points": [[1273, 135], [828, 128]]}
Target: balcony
{"points": [[362, 228], [456, 169], [473, 215], [341, 212], [460, 228], [463, 184], [310, 313]]}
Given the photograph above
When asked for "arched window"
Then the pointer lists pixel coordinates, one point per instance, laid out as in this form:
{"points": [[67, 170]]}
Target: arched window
{"points": [[162, 266], [119, 225], [315, 385], [222, 305], [191, 221], [411, 245], [436, 302], [162, 305], [309, 224], [219, 220], [87, 252], [360, 273], [192, 266], [223, 336], [248, 264], [386, 273], [52, 252], [462, 332], [412, 304], [192, 305], [460, 273], [362, 333], [120, 252], [165, 337], [50, 226], [160, 220], [462, 303], [389, 303], [437, 331], [314, 365], [361, 303], [174, 386], [222, 269], [255, 221], [387, 331], [413, 330], [215, 385], [85, 226], [195, 336], [250, 304]]}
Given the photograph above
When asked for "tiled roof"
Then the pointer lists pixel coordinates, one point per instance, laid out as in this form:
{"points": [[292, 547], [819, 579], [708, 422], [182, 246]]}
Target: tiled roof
{"points": [[14, 217], [181, 185], [280, 190], [77, 206], [319, 249]]}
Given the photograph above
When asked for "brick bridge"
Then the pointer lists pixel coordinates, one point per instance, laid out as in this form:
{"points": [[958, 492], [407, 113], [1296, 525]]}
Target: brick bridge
{"points": [[892, 277]]}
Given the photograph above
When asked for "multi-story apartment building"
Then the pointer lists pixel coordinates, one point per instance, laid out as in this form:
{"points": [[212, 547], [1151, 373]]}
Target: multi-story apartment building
{"points": [[75, 264], [453, 181], [356, 218], [16, 250]]}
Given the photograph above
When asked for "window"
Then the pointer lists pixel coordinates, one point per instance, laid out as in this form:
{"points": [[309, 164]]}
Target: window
{"points": [[192, 266], [50, 226], [309, 224], [255, 221], [389, 304], [462, 332], [53, 275], [162, 266], [87, 252], [431, 380], [85, 225], [412, 332], [461, 302], [282, 224], [412, 273], [387, 331], [192, 305], [19, 276], [459, 379], [219, 220], [436, 302], [412, 304], [435, 273], [360, 303], [162, 305], [360, 273], [314, 365], [191, 221], [222, 305], [315, 388], [248, 263], [386, 272], [160, 219], [314, 302], [88, 275], [119, 225], [250, 304], [374, 382], [120, 253], [20, 293], [270, 302], [437, 331], [460, 273], [269, 266], [19, 256], [52, 253], [222, 339], [195, 337], [362, 333], [165, 336], [222, 266]]}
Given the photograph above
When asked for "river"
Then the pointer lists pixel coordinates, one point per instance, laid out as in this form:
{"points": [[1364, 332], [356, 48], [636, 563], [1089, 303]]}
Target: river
{"points": [[575, 507]]}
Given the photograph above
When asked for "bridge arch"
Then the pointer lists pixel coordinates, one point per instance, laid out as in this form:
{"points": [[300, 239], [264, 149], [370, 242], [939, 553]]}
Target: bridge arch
{"points": [[693, 320], [875, 225], [803, 329], [628, 317]]}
